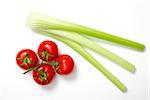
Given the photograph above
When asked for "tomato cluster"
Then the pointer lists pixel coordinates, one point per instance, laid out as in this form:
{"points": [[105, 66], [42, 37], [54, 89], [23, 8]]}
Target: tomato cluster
{"points": [[49, 62]]}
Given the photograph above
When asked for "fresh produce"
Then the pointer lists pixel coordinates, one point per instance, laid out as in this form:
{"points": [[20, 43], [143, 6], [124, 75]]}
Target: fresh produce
{"points": [[44, 74], [38, 21], [48, 50], [65, 64], [43, 71], [26, 59], [72, 37]]}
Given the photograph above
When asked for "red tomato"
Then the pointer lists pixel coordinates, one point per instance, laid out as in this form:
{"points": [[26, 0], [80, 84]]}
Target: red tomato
{"points": [[26, 59], [44, 74], [48, 50], [65, 64]]}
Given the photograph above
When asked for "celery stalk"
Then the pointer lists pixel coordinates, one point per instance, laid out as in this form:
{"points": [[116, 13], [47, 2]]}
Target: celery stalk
{"points": [[95, 47], [78, 48], [39, 21]]}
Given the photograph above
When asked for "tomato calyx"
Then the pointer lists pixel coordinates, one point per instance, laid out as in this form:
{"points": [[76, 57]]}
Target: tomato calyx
{"points": [[54, 64], [25, 60], [45, 54], [42, 75]]}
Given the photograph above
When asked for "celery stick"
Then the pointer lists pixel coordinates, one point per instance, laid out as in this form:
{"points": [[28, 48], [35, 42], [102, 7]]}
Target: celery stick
{"points": [[39, 21]]}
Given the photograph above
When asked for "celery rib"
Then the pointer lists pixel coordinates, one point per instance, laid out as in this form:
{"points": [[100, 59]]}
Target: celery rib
{"points": [[40, 21], [78, 48], [95, 47]]}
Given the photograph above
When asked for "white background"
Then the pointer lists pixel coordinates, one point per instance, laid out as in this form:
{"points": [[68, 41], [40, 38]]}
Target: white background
{"points": [[126, 18]]}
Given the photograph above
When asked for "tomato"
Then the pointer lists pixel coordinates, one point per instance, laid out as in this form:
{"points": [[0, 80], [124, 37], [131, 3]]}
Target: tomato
{"points": [[44, 74], [26, 59], [48, 50], [65, 64]]}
